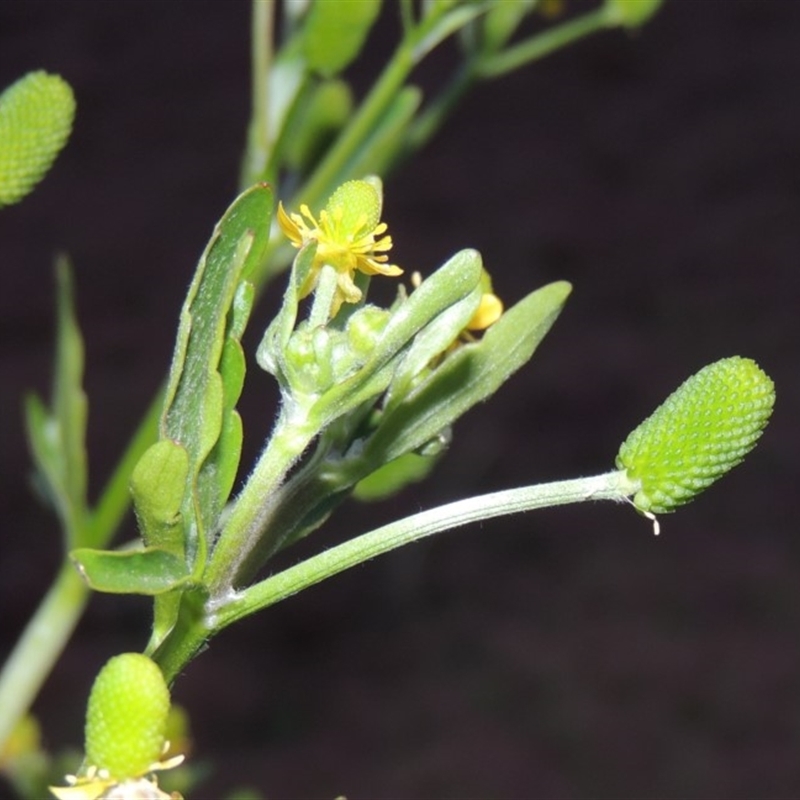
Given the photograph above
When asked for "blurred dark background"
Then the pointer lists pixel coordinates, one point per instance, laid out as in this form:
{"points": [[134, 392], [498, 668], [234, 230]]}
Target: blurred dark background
{"points": [[566, 653]]}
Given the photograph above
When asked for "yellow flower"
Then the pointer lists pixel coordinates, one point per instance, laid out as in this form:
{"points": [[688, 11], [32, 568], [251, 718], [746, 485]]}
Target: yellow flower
{"points": [[490, 309], [349, 237], [97, 784]]}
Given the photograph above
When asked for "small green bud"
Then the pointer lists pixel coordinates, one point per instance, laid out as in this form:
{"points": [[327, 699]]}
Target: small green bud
{"points": [[126, 718], [631, 13], [364, 329], [700, 432], [36, 114], [309, 359]]}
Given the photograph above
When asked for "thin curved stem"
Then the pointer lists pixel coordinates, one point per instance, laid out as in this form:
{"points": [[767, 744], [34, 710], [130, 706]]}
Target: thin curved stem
{"points": [[610, 486]]}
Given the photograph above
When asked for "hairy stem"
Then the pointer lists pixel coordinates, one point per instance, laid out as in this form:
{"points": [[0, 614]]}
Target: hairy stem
{"points": [[610, 486]]}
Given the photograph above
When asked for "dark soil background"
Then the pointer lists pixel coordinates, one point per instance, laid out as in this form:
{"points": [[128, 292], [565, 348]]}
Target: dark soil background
{"points": [[564, 654]]}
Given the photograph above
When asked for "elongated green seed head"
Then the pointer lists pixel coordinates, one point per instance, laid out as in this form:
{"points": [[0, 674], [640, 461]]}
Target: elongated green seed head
{"points": [[126, 717], [359, 203], [36, 114], [700, 432]]}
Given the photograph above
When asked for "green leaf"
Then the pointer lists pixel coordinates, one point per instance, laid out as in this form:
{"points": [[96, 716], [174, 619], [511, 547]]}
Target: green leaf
{"points": [[69, 399], [446, 25], [271, 351], [334, 32], [151, 571], [502, 20], [58, 437], [45, 446], [435, 338], [396, 475], [467, 377], [204, 384], [428, 305], [157, 487]]}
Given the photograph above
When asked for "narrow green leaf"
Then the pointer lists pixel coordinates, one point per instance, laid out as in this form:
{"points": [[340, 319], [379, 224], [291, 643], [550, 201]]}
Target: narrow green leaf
{"points": [[232, 367], [44, 444], [70, 407], [502, 20], [449, 285], [335, 31], [58, 437], [433, 340], [271, 350], [448, 24], [228, 449], [151, 571], [467, 377], [200, 399]]}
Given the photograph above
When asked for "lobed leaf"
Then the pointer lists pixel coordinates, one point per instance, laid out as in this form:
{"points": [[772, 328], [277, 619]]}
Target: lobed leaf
{"points": [[207, 370]]}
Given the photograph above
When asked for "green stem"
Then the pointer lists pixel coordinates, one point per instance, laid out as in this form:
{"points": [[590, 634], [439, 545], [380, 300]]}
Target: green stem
{"points": [[543, 44], [258, 134], [40, 646], [324, 292], [186, 639], [251, 510], [333, 167], [611, 486], [48, 631]]}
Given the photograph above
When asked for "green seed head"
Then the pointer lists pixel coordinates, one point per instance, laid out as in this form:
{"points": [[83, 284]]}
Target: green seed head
{"points": [[358, 203], [36, 116], [126, 717], [702, 430]]}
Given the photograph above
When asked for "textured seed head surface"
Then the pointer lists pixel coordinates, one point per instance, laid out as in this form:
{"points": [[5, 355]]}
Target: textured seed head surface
{"points": [[359, 201], [700, 432], [126, 717], [36, 114]]}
